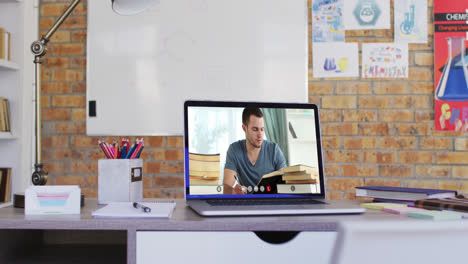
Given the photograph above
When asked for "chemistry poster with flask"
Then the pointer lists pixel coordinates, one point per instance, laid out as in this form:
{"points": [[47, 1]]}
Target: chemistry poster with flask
{"points": [[451, 65]]}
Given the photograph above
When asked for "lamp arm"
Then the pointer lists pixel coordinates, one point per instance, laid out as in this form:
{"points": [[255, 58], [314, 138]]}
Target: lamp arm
{"points": [[39, 49]]}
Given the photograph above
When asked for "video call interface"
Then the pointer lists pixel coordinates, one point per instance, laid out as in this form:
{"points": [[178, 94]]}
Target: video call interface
{"points": [[246, 151]]}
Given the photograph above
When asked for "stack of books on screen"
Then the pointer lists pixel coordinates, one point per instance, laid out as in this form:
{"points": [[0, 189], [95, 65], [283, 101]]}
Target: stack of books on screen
{"points": [[300, 179], [204, 172], [5, 44], [401, 194], [5, 184], [4, 115]]}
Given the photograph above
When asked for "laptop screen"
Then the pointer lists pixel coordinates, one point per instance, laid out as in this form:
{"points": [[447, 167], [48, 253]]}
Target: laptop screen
{"points": [[252, 150]]}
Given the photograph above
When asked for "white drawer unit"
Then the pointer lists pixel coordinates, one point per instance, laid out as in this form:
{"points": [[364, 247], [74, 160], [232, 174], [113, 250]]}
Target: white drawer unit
{"points": [[231, 247]]}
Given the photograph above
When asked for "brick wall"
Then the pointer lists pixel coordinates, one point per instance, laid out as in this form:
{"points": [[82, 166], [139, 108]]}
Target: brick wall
{"points": [[374, 131]]}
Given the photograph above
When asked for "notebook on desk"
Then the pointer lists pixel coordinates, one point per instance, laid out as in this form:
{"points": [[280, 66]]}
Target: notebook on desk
{"points": [[230, 146]]}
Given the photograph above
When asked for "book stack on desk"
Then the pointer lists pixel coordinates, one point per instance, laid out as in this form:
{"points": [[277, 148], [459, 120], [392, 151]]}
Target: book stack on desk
{"points": [[299, 179], [458, 204], [401, 194]]}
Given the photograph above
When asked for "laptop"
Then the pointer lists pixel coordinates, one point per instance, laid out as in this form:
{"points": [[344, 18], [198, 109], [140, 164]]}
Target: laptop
{"points": [[255, 158]]}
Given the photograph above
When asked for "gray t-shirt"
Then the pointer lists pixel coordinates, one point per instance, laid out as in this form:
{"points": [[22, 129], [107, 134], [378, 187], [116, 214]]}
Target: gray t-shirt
{"points": [[270, 159]]}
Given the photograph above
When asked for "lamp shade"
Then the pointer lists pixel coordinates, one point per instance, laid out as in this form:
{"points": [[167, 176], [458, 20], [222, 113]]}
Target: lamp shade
{"points": [[131, 7]]}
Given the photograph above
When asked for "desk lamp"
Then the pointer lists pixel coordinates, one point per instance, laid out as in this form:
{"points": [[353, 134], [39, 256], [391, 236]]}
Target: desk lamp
{"points": [[39, 49]]}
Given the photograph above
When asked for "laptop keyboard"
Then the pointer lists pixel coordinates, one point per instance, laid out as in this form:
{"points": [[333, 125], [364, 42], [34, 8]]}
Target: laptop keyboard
{"points": [[261, 202]]}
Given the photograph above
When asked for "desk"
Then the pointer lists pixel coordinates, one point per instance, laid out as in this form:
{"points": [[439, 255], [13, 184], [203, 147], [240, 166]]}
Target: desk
{"points": [[83, 239]]}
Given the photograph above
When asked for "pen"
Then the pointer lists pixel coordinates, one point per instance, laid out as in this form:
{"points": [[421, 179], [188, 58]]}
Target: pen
{"points": [[146, 209]]}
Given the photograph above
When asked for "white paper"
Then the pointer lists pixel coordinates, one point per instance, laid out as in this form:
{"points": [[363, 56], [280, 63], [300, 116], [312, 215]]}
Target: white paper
{"points": [[126, 210], [367, 14], [52, 199], [410, 21], [327, 21], [384, 60], [335, 59]]}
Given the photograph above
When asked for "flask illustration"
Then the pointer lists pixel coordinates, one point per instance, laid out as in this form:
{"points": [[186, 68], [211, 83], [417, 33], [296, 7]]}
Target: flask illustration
{"points": [[453, 85]]}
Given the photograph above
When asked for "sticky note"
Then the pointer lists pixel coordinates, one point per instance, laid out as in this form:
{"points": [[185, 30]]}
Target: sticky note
{"points": [[402, 210], [379, 206], [436, 215]]}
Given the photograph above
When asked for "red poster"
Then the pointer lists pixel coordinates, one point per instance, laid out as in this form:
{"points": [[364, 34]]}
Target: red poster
{"points": [[451, 64]]}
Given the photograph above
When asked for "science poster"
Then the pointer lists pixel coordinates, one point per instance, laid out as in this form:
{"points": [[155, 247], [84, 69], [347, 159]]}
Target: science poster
{"points": [[367, 14], [384, 60], [450, 65], [335, 60], [327, 21], [410, 21]]}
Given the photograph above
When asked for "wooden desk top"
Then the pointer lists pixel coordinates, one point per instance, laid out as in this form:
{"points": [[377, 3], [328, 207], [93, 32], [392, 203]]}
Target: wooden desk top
{"points": [[183, 219]]}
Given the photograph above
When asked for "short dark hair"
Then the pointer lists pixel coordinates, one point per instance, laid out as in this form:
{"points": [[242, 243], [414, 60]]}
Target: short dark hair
{"points": [[248, 111]]}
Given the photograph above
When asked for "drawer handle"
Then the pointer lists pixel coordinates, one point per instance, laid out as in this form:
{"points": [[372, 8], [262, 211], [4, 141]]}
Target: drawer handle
{"points": [[276, 237]]}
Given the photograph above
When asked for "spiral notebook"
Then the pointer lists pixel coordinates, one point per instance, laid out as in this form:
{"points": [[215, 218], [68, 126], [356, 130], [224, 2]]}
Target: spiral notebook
{"points": [[160, 209]]}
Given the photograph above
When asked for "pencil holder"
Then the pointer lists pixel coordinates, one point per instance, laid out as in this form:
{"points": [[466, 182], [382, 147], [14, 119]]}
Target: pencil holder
{"points": [[120, 180]]}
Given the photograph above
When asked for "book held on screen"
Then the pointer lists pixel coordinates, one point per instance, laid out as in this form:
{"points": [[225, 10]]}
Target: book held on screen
{"points": [[204, 172]]}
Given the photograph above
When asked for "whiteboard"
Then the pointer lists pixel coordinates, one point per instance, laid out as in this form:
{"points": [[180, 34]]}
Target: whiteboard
{"points": [[141, 69]]}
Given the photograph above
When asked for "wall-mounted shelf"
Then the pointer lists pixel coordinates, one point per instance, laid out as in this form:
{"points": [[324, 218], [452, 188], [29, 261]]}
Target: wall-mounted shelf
{"points": [[6, 135]]}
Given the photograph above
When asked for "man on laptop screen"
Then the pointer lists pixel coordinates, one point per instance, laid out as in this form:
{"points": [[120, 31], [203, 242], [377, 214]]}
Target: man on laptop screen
{"points": [[253, 158], [247, 160]]}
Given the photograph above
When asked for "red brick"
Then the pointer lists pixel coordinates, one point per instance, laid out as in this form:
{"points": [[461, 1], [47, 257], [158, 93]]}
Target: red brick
{"points": [[68, 101], [359, 116], [68, 75], [91, 181], [452, 158], [382, 182], [424, 58], [79, 87], [461, 144], [396, 115], [460, 171], [83, 167], [334, 195], [55, 114], [153, 166], [55, 88], [416, 157], [79, 114], [45, 101], [334, 102], [398, 143], [175, 142], [70, 128], [376, 102], [331, 170], [433, 171], [436, 143], [331, 142], [359, 170], [344, 184], [320, 88], [360, 143], [67, 154], [84, 141], [421, 88], [155, 141], [354, 87], [394, 87], [428, 184], [89, 192], [68, 49], [60, 36], [377, 129], [69, 180], [56, 62], [341, 129], [342, 156], [396, 170], [54, 141], [174, 167], [412, 129], [56, 9], [74, 22], [379, 157], [79, 36], [420, 74], [169, 181], [54, 167], [423, 116], [330, 115]]}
